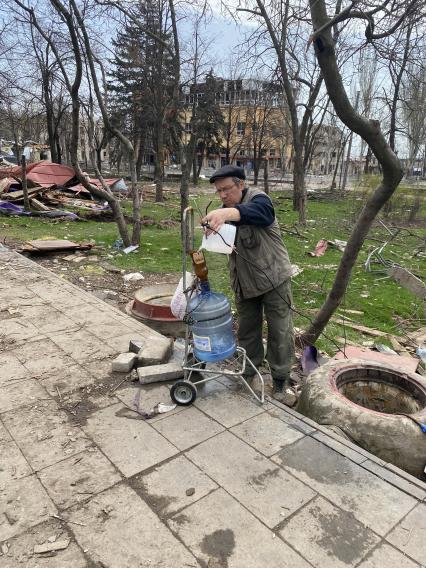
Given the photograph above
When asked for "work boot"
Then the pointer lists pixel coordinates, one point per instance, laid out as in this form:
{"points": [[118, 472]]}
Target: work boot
{"points": [[283, 392]]}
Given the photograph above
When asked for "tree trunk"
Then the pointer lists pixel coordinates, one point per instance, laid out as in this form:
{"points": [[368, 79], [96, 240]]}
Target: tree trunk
{"points": [[370, 131], [266, 176], [24, 184], [299, 195]]}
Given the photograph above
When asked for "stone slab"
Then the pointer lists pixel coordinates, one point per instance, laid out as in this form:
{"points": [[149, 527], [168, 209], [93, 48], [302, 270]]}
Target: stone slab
{"points": [[221, 532], [346, 484], [410, 535], [159, 373], [123, 363], [121, 531], [82, 346], [21, 549], [164, 488], [131, 444], [44, 433], [385, 556], [13, 465], [227, 407], [21, 393], [155, 351], [11, 369], [265, 489], [78, 478], [23, 504], [43, 356], [396, 480], [67, 379], [187, 428], [328, 536], [266, 433], [342, 449], [295, 423]]}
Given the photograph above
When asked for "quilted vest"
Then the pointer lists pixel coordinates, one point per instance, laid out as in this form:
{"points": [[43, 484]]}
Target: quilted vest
{"points": [[267, 263]]}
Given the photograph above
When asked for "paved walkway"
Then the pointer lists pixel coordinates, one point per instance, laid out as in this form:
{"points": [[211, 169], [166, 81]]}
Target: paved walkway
{"points": [[224, 483]]}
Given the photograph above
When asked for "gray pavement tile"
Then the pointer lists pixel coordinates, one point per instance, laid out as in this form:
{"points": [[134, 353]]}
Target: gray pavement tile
{"points": [[227, 407], [164, 488], [385, 556], [396, 480], [295, 423], [121, 531], [131, 444], [78, 478], [187, 428], [410, 535], [110, 330], [21, 549], [266, 433], [13, 465], [19, 330], [23, 504], [53, 321], [19, 393], [82, 346], [89, 315], [328, 536], [150, 395], [99, 369], [66, 380], [11, 368], [346, 484], [221, 532], [31, 310], [121, 344], [43, 356], [44, 434], [266, 490]]}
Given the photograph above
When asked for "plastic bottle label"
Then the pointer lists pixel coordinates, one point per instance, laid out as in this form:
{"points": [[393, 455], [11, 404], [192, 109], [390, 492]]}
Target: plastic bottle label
{"points": [[202, 343]]}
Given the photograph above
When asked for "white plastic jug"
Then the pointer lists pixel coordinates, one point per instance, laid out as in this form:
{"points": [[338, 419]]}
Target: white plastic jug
{"points": [[215, 243]]}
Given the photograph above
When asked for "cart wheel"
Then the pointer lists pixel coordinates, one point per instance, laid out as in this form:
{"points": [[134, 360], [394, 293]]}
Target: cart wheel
{"points": [[183, 393]]}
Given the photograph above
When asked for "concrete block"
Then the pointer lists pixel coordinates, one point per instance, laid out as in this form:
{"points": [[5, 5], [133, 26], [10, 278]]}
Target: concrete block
{"points": [[155, 351], [157, 373], [135, 345], [124, 363]]}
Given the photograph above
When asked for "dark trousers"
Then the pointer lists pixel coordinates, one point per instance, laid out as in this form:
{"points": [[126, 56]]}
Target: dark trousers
{"points": [[280, 350]]}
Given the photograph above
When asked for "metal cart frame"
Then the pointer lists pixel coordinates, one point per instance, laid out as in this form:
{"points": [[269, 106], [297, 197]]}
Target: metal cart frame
{"points": [[184, 392]]}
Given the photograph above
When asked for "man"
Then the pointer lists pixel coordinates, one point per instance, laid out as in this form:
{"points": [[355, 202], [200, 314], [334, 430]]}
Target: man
{"points": [[260, 273]]}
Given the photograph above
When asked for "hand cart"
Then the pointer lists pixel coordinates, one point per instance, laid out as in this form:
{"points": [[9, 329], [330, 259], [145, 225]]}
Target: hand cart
{"points": [[184, 392]]}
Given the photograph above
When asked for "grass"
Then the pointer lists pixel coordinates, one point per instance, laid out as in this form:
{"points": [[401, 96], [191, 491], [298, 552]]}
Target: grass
{"points": [[385, 306]]}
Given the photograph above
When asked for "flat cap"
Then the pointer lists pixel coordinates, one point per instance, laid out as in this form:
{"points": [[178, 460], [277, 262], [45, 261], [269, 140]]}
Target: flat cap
{"points": [[228, 171]]}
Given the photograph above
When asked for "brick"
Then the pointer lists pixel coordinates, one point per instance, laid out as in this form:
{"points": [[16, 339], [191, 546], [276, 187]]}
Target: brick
{"points": [[123, 363], [155, 351], [157, 373], [135, 345]]}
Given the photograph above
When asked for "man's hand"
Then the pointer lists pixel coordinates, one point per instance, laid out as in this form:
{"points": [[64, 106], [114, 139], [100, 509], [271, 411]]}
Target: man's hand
{"points": [[218, 217]]}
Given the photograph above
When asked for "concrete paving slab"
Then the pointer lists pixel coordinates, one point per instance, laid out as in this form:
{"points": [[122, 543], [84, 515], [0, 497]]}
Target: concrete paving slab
{"points": [[165, 487], [43, 356], [131, 444], [19, 330], [266, 433], [121, 343], [385, 556], [13, 465], [328, 536], [345, 484], [120, 530], [44, 433], [21, 549], [23, 504], [78, 478], [265, 489], [293, 422], [188, 428], [51, 320], [11, 368], [20, 393], [220, 532], [66, 380], [88, 315], [227, 407], [110, 330], [82, 346], [410, 535]]}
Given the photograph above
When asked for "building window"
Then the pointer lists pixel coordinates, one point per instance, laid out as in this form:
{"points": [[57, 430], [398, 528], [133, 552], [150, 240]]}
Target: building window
{"points": [[188, 127], [241, 128], [272, 152], [242, 153]]}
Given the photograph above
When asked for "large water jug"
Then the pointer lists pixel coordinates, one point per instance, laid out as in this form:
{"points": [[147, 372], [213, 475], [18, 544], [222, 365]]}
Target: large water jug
{"points": [[211, 324]]}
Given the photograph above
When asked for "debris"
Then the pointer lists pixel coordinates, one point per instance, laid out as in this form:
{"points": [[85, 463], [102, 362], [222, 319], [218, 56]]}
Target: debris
{"points": [[68, 521], [295, 270], [287, 397], [131, 248], [397, 346], [384, 349], [5, 548], [340, 245], [189, 492], [421, 352], [54, 245], [133, 277], [320, 249], [124, 363], [156, 350], [51, 546], [159, 408], [408, 281]]}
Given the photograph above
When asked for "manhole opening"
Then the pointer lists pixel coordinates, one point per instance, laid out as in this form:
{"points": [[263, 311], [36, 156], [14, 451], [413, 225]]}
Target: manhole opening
{"points": [[381, 390]]}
